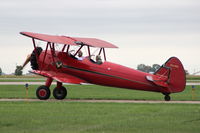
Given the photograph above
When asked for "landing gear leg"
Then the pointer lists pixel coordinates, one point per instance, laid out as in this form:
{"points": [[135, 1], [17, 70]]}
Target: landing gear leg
{"points": [[167, 97], [60, 92], [43, 92]]}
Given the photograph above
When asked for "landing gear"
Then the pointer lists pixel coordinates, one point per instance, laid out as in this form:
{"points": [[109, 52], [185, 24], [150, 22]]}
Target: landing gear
{"points": [[60, 93], [43, 92], [167, 97]]}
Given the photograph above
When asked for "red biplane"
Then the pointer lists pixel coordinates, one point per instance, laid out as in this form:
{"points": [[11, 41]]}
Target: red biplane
{"points": [[67, 65]]}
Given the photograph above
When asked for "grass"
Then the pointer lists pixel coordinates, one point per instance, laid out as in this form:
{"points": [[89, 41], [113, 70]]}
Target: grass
{"points": [[22, 76], [193, 77], [14, 78], [22, 80], [72, 117], [98, 92], [78, 117]]}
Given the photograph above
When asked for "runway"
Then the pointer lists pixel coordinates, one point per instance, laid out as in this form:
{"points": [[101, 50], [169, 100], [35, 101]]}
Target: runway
{"points": [[100, 101]]}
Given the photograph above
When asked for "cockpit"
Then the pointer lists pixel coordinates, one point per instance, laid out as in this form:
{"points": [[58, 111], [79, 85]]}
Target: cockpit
{"points": [[81, 52]]}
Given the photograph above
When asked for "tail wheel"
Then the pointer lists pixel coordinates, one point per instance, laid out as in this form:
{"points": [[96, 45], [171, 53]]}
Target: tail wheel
{"points": [[43, 92], [60, 93], [167, 98]]}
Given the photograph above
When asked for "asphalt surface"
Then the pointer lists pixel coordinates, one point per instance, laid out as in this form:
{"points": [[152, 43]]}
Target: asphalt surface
{"points": [[100, 101]]}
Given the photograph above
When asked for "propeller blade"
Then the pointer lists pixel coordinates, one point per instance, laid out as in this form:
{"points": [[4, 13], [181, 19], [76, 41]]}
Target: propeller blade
{"points": [[26, 61]]}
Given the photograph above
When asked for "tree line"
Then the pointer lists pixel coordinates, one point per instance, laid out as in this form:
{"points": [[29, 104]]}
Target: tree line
{"points": [[147, 68], [152, 69]]}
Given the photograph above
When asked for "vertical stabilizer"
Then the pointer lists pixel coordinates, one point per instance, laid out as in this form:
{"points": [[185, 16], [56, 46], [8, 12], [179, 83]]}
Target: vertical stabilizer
{"points": [[174, 72]]}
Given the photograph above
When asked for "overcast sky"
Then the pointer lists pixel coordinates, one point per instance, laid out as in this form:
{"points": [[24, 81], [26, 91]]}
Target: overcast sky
{"points": [[146, 31]]}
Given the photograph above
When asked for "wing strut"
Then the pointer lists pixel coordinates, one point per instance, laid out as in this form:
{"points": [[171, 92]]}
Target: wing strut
{"points": [[89, 51], [52, 52], [64, 47], [104, 53], [48, 43], [78, 50]]}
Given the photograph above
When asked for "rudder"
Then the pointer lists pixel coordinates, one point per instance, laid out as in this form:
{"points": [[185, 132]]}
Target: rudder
{"points": [[175, 73]]}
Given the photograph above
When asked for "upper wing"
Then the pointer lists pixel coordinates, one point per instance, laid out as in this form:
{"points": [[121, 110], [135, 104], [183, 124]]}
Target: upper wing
{"points": [[70, 40], [61, 77], [49, 38], [95, 42]]}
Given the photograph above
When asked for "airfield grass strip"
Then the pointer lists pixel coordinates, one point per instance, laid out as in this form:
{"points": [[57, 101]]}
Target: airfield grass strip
{"points": [[193, 77], [21, 76], [72, 117], [99, 92]]}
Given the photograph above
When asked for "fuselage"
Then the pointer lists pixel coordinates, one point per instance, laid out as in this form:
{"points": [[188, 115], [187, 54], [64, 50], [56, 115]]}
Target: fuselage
{"points": [[107, 73]]}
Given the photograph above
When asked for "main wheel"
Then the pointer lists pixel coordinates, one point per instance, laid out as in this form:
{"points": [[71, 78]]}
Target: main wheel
{"points": [[167, 98], [43, 92], [60, 93]]}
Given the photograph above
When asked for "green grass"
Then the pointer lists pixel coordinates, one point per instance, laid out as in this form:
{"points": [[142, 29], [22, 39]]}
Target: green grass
{"points": [[22, 80], [193, 77], [78, 117], [72, 117], [97, 92], [22, 76]]}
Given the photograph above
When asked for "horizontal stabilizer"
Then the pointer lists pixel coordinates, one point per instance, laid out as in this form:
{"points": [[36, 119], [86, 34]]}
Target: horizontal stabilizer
{"points": [[160, 81]]}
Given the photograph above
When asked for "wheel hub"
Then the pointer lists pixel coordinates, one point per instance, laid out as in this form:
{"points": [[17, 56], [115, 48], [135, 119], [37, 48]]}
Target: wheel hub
{"points": [[42, 92]]}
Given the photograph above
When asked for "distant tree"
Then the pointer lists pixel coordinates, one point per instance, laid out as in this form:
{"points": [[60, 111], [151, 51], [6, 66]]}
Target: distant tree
{"points": [[155, 67], [141, 67], [147, 68], [1, 71], [18, 70], [186, 72]]}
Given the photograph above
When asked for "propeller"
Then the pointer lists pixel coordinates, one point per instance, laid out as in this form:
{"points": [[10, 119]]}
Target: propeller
{"points": [[28, 58]]}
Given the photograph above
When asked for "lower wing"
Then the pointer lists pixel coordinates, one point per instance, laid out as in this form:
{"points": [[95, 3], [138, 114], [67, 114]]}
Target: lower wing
{"points": [[61, 77]]}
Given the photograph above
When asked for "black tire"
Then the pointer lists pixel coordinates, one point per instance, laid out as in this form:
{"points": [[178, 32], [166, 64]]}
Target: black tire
{"points": [[43, 92], [167, 98], [60, 93]]}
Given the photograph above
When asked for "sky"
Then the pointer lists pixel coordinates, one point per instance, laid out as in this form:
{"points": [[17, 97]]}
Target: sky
{"points": [[146, 31]]}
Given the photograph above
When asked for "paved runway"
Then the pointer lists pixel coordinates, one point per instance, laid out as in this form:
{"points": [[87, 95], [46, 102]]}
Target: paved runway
{"points": [[100, 101]]}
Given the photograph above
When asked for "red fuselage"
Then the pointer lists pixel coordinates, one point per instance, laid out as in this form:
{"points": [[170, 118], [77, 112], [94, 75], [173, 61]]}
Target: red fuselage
{"points": [[107, 73]]}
